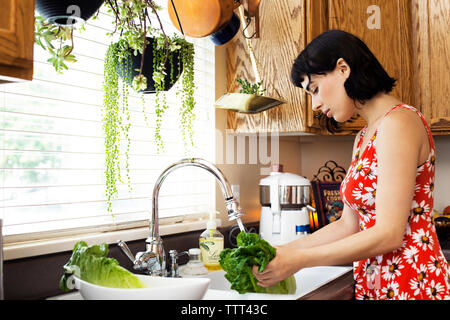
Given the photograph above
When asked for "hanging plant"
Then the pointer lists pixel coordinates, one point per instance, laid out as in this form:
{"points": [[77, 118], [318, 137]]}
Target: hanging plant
{"points": [[143, 44], [116, 120], [148, 61]]}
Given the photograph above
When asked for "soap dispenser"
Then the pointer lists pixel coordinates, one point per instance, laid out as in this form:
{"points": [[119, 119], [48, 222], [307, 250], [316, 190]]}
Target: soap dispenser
{"points": [[211, 244]]}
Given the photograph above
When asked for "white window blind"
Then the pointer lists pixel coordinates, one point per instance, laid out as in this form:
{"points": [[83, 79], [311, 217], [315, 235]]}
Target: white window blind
{"points": [[52, 144]]}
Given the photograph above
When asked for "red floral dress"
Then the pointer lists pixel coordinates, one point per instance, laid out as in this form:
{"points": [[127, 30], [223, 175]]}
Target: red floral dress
{"points": [[418, 269]]}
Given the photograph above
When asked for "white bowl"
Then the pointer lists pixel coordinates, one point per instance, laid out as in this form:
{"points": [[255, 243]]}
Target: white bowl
{"points": [[159, 288]]}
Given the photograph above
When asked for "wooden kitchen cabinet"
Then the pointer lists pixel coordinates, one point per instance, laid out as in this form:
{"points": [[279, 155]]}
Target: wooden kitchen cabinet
{"points": [[16, 40], [282, 36], [431, 44], [409, 38]]}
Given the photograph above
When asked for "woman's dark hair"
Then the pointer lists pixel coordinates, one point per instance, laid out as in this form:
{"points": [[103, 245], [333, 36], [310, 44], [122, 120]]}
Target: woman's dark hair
{"points": [[367, 76]]}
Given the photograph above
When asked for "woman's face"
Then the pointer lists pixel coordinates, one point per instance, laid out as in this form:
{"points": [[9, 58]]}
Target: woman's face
{"points": [[328, 93]]}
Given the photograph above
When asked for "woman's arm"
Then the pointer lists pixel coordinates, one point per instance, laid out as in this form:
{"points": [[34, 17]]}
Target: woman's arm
{"points": [[398, 145]]}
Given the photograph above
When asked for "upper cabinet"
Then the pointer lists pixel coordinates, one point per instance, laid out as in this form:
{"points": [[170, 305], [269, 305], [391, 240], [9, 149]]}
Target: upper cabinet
{"points": [[16, 40], [431, 44], [409, 38]]}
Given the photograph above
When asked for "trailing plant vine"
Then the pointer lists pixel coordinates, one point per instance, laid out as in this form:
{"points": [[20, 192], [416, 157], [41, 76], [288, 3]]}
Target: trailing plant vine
{"points": [[187, 115], [116, 120]]}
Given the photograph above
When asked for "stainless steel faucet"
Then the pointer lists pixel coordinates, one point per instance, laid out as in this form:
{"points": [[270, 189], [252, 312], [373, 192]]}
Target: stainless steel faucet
{"points": [[153, 260]]}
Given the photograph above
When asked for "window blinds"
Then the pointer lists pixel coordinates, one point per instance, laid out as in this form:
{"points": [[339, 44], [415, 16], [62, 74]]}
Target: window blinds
{"points": [[52, 144]]}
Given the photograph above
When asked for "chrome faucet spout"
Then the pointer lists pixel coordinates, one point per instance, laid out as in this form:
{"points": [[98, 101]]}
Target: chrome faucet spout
{"points": [[233, 208], [153, 260]]}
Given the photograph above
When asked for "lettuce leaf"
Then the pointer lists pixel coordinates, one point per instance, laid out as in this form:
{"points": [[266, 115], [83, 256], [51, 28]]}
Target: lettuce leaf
{"points": [[238, 263], [91, 264]]}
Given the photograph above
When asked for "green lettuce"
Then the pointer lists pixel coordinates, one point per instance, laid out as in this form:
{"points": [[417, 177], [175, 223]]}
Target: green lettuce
{"points": [[238, 263], [91, 264]]}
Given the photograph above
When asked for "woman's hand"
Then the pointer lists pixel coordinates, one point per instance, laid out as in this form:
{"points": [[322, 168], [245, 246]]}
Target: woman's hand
{"points": [[281, 267]]}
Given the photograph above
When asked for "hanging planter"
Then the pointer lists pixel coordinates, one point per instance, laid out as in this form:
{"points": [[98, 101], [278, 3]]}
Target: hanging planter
{"points": [[67, 12], [129, 67]]}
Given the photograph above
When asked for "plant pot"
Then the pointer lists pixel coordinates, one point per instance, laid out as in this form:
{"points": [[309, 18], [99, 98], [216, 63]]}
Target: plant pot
{"points": [[134, 64], [67, 12]]}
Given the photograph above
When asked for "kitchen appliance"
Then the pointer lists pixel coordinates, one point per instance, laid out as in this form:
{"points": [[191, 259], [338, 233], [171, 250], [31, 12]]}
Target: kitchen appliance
{"points": [[285, 201]]}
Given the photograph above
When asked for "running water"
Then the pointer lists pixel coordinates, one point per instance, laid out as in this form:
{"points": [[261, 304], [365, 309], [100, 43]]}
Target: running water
{"points": [[241, 226]]}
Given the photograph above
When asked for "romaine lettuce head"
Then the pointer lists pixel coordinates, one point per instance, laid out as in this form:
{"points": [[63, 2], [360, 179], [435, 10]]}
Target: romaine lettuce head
{"points": [[238, 263], [91, 264]]}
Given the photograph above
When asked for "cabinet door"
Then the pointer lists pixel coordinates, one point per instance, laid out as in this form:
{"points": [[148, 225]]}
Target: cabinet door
{"points": [[16, 39], [282, 37], [384, 25], [432, 62]]}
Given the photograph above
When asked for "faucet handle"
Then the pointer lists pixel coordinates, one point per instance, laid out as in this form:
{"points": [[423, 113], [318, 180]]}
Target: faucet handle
{"points": [[122, 245], [173, 262]]}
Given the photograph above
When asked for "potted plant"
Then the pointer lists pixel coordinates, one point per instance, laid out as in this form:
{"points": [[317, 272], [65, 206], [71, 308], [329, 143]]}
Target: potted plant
{"points": [[148, 61]]}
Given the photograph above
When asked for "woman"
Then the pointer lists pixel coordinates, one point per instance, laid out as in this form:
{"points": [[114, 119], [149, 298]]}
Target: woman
{"points": [[385, 227]]}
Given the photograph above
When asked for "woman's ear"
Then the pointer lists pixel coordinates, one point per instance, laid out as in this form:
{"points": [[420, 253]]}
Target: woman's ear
{"points": [[343, 68]]}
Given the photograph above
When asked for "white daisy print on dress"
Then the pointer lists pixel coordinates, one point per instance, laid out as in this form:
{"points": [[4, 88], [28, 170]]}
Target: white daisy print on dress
{"points": [[370, 194], [423, 239], [390, 291], [429, 188], [392, 269], [410, 255], [357, 192], [435, 290], [372, 173], [419, 210], [365, 215], [417, 284], [434, 266], [361, 168], [405, 296]]}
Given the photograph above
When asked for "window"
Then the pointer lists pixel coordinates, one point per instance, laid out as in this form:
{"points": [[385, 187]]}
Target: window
{"points": [[52, 145]]}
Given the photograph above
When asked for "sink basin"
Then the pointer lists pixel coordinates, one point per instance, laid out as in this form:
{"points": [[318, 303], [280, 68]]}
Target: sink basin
{"points": [[159, 288], [308, 279]]}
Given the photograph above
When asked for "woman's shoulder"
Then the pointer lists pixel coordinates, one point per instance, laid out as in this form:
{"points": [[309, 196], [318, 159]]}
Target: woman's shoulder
{"points": [[403, 127], [403, 120]]}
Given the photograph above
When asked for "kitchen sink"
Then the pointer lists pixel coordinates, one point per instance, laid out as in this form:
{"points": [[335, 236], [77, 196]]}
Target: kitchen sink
{"points": [[308, 279]]}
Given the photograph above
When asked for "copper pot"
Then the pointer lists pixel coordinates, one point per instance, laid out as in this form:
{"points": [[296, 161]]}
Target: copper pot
{"points": [[200, 18]]}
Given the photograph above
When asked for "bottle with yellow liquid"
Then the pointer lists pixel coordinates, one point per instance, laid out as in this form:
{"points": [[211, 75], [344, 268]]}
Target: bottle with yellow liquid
{"points": [[211, 244]]}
